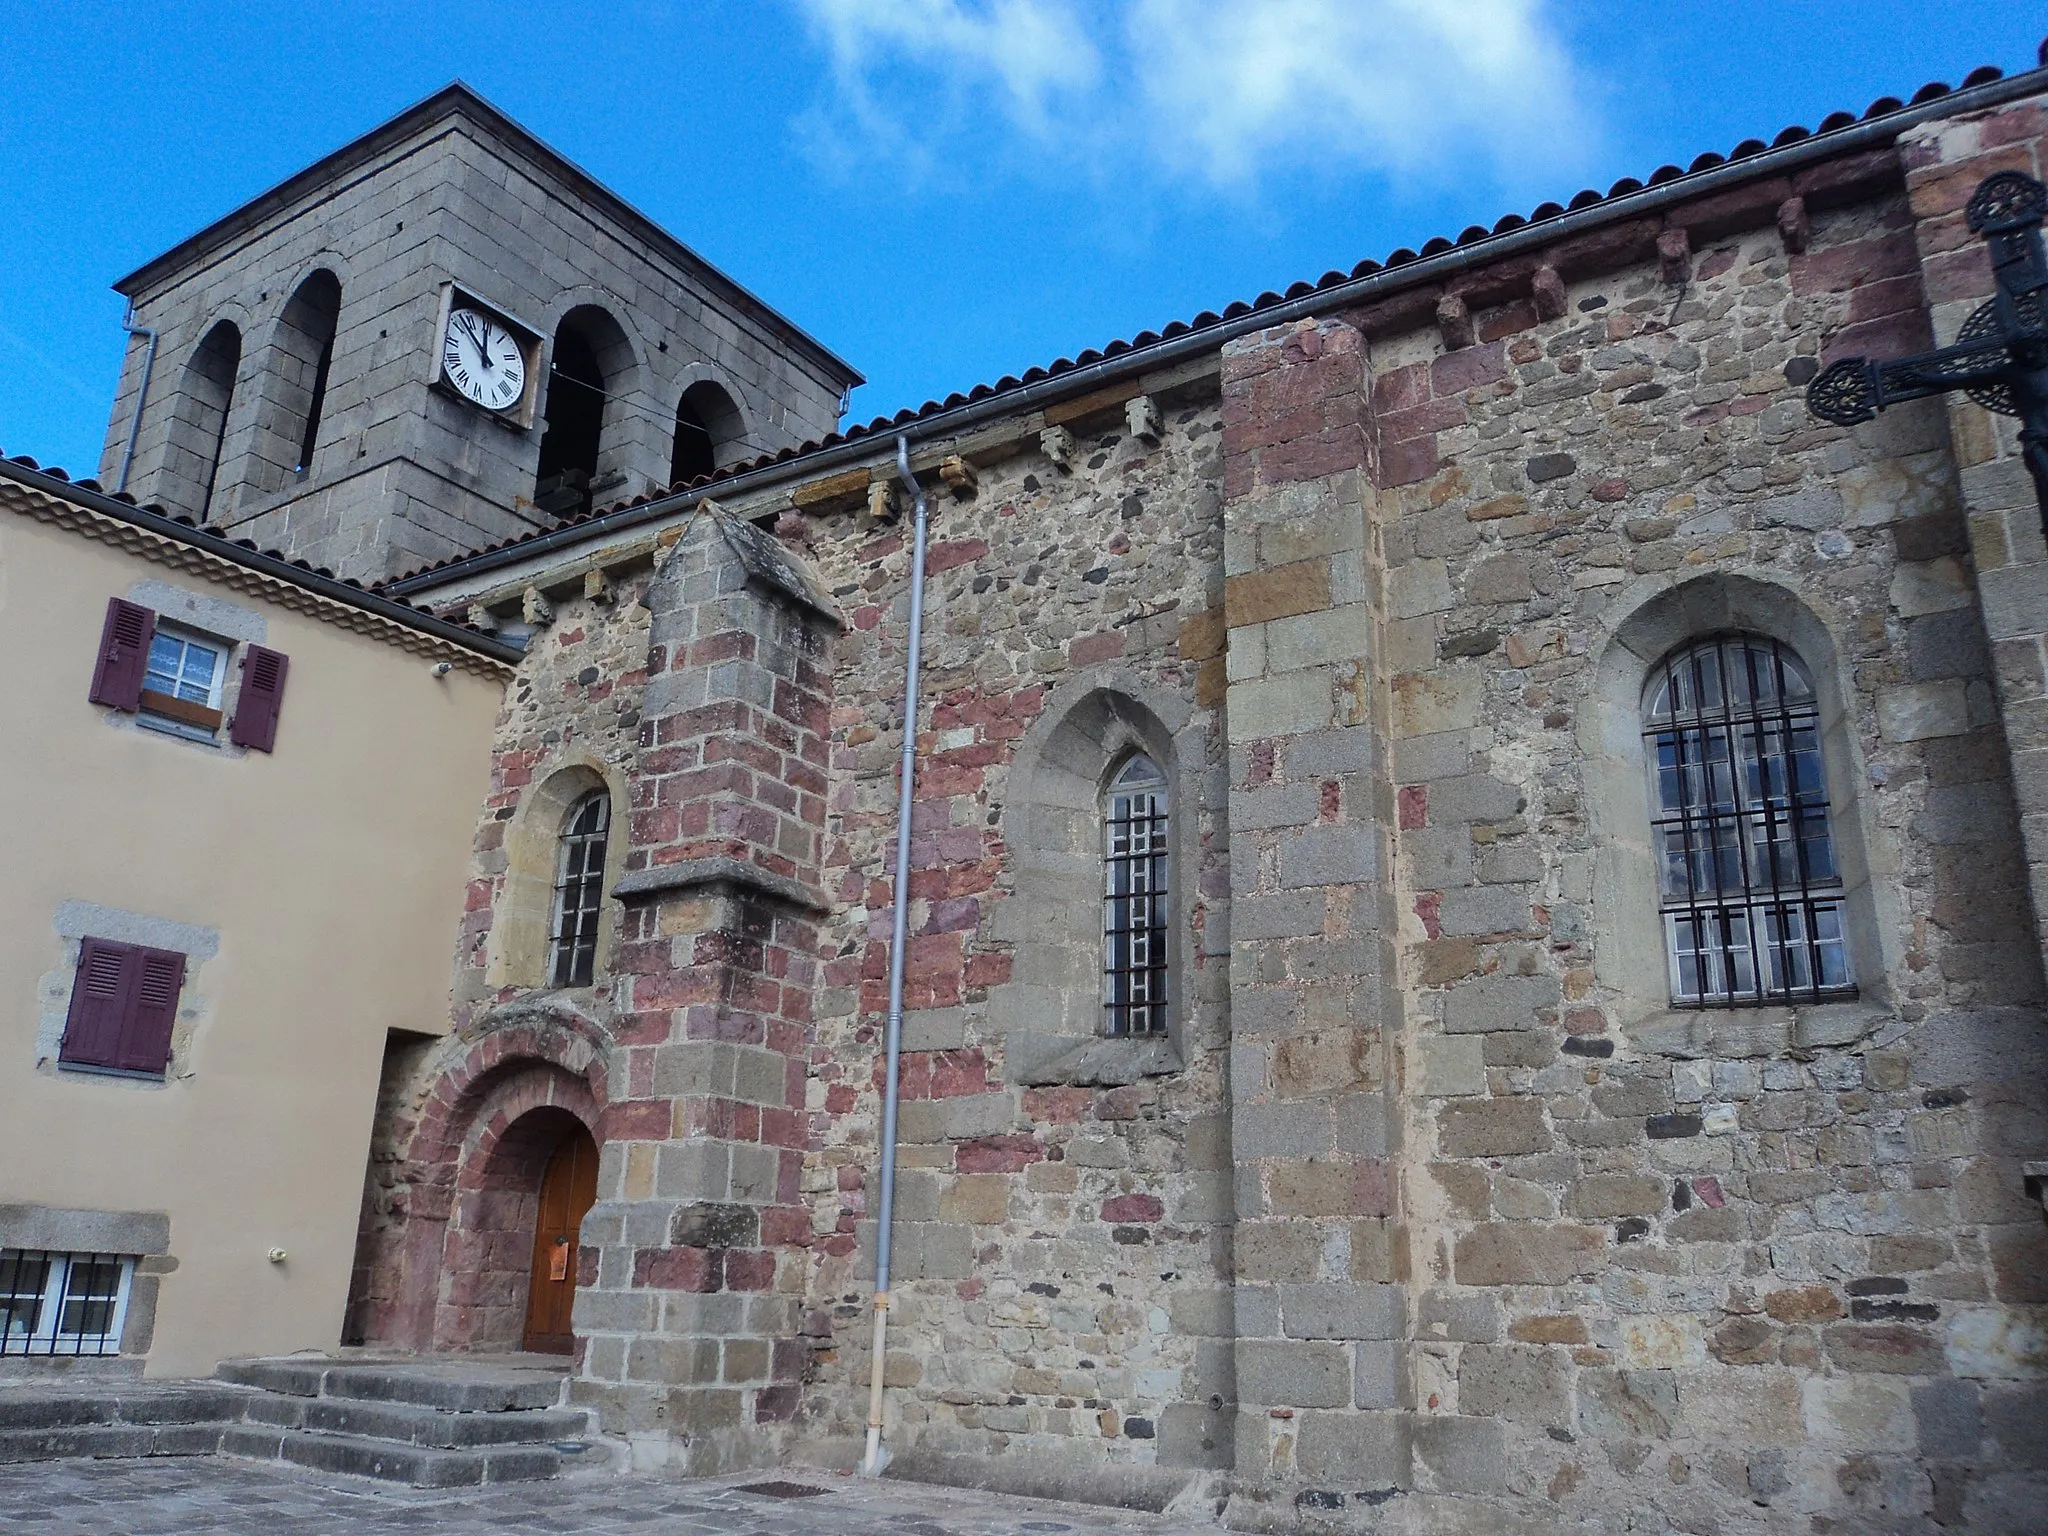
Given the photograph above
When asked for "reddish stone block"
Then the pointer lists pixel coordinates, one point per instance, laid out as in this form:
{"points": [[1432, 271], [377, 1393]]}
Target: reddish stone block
{"points": [[1407, 463], [1428, 907], [1057, 1106], [1399, 389], [637, 1120], [749, 1271], [947, 554], [785, 1226], [1132, 1208], [700, 1270], [1963, 274], [1935, 192], [2023, 123], [998, 1154], [1508, 320], [1413, 803], [1435, 416], [1469, 368], [1849, 179]]}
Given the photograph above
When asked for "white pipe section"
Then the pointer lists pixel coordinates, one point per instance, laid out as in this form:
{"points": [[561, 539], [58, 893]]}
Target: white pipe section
{"points": [[877, 1458], [141, 393]]}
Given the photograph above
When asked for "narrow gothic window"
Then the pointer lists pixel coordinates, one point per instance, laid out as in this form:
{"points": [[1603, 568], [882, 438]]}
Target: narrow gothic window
{"points": [[579, 892], [1134, 918], [1750, 891]]}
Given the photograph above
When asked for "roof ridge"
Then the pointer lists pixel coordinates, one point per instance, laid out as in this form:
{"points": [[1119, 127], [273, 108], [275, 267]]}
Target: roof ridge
{"points": [[1704, 165]]}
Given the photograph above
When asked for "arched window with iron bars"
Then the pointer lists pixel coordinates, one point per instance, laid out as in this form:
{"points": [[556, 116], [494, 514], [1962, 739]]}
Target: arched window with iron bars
{"points": [[1750, 890], [579, 892], [1135, 900]]}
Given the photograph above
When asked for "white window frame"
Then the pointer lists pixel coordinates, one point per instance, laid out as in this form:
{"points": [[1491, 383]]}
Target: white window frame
{"points": [[216, 686], [47, 1338]]}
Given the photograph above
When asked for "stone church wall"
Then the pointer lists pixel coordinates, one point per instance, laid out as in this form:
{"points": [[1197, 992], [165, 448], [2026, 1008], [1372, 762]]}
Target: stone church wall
{"points": [[1431, 1212]]}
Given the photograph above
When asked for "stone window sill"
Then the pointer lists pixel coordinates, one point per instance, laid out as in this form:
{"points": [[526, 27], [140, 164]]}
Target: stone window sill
{"points": [[1047, 1061], [1755, 1032]]}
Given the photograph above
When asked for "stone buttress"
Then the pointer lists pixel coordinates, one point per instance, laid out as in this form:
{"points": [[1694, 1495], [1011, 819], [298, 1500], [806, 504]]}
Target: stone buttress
{"points": [[692, 1314]]}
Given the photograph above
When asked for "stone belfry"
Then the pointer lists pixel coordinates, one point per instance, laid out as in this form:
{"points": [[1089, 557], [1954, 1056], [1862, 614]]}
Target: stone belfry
{"points": [[441, 336]]}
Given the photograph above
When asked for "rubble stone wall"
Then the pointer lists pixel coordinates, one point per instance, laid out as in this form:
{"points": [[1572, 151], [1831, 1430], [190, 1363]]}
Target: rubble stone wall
{"points": [[1430, 1211]]}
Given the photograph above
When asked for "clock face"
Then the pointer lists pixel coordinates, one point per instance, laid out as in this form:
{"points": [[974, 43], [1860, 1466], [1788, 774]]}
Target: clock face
{"points": [[483, 360]]}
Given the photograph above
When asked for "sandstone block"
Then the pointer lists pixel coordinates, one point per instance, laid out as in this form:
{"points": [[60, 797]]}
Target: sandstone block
{"points": [[1452, 1066], [1460, 1454], [1604, 1195], [1364, 1450], [1527, 1384], [1426, 703], [1503, 1127], [1278, 1250], [1343, 1311], [1516, 1253], [1500, 1002], [1259, 596], [1623, 1405], [1295, 1374]]}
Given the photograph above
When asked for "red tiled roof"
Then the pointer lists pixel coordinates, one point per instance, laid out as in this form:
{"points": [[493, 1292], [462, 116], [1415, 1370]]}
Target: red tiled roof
{"points": [[1883, 107], [203, 535]]}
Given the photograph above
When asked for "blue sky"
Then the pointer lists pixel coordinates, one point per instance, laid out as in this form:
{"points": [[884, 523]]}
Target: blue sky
{"points": [[943, 191]]}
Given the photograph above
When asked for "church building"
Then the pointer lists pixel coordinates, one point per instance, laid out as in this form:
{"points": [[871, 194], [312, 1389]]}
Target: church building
{"points": [[1476, 874]]}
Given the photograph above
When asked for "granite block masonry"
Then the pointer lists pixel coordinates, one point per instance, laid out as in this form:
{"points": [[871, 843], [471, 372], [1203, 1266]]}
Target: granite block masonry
{"points": [[1431, 1208]]}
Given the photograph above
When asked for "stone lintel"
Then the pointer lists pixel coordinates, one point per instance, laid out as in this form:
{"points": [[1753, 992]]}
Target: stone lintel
{"points": [[733, 874], [66, 1231]]}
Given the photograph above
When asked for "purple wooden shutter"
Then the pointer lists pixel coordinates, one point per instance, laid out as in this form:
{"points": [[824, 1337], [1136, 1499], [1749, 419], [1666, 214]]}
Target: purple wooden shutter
{"points": [[124, 654], [146, 1039], [100, 995], [255, 722]]}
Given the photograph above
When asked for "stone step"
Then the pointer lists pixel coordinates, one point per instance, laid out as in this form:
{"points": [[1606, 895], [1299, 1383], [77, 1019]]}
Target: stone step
{"points": [[128, 1403], [410, 1424], [460, 1387], [80, 1441], [417, 1465]]}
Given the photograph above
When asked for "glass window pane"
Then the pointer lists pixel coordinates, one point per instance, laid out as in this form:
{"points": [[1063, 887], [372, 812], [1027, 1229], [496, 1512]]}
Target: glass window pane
{"points": [[1741, 831]]}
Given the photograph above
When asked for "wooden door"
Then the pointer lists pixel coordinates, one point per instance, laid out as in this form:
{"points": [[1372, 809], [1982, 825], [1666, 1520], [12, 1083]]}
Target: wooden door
{"points": [[567, 1191]]}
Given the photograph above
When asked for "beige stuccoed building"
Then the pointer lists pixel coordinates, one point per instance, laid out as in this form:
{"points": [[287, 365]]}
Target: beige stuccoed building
{"points": [[182, 1146]]}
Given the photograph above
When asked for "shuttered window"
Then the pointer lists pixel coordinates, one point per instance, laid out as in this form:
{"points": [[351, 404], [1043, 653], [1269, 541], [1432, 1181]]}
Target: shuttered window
{"points": [[124, 1002], [174, 679], [256, 711], [124, 655]]}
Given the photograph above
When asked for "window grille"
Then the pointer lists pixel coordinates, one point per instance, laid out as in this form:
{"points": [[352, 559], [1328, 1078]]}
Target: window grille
{"points": [[579, 892], [1750, 891], [1135, 905], [62, 1303]]}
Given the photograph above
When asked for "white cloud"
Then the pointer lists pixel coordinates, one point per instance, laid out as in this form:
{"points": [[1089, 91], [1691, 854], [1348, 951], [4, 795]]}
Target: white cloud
{"points": [[1233, 84], [1033, 49], [1220, 90]]}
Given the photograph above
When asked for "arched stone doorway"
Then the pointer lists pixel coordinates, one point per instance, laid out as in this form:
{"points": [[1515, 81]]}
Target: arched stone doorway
{"points": [[445, 1255]]}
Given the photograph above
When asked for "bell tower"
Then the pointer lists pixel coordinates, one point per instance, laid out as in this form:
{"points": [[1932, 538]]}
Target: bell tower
{"points": [[440, 337]]}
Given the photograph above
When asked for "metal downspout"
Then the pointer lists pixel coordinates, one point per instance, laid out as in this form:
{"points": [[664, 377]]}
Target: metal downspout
{"points": [[141, 395], [877, 1458]]}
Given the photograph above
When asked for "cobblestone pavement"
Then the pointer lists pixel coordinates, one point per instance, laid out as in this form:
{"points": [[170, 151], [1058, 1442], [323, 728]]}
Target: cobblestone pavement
{"points": [[182, 1497]]}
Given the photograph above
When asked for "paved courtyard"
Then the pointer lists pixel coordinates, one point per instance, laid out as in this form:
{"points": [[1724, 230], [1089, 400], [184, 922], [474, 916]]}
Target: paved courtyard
{"points": [[181, 1496]]}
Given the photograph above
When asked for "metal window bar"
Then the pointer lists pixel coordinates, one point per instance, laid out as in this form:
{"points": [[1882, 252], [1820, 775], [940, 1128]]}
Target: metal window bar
{"points": [[1749, 884], [54, 1303], [1135, 902], [579, 893]]}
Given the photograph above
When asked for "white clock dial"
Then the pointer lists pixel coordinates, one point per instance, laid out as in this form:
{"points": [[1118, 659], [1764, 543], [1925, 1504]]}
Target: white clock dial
{"points": [[483, 360]]}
